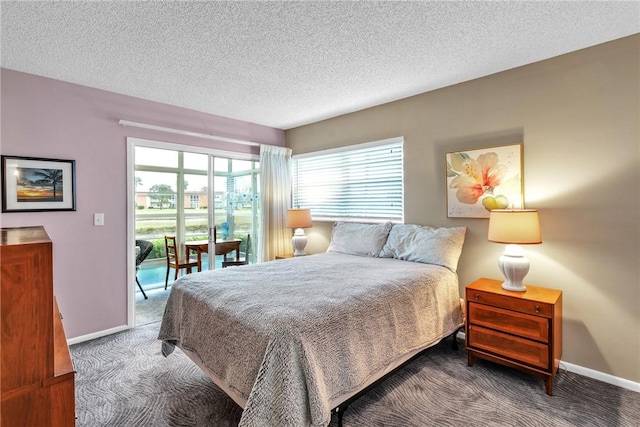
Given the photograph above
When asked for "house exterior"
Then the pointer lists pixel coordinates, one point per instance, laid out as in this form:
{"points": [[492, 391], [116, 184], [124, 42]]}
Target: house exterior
{"points": [[192, 200]]}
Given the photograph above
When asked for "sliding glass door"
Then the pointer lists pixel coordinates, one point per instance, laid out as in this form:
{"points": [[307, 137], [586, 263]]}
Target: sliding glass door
{"points": [[237, 202], [188, 194]]}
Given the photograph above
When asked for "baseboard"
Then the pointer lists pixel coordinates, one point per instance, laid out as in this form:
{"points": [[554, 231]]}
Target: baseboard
{"points": [[601, 376], [591, 373], [98, 334]]}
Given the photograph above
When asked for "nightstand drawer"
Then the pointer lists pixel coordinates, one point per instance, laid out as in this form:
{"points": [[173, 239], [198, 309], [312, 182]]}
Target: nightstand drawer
{"points": [[518, 349], [512, 322], [536, 308]]}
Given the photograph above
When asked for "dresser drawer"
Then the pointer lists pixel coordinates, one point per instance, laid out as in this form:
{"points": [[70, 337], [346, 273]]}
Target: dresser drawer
{"points": [[537, 308], [509, 321], [518, 349]]}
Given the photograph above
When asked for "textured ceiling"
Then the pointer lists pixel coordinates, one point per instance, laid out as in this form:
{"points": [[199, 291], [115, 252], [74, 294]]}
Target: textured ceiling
{"points": [[284, 64]]}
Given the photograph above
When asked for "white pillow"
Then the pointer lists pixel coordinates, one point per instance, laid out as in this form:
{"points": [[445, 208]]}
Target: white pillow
{"points": [[440, 246], [358, 238]]}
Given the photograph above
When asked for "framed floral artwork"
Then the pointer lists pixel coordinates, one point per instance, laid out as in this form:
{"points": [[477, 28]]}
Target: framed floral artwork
{"points": [[31, 184], [481, 180]]}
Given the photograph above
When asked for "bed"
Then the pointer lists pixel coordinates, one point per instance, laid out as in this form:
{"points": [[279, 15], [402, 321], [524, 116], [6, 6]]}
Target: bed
{"points": [[290, 340]]}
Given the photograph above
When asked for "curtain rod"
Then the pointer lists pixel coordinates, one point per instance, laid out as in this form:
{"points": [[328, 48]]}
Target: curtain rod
{"points": [[188, 133]]}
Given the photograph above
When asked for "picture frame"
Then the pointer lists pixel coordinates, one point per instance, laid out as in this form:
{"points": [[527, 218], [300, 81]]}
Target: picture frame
{"points": [[480, 180], [33, 184]]}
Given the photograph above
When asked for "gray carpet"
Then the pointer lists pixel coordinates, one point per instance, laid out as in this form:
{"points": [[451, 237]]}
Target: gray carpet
{"points": [[151, 309], [123, 380]]}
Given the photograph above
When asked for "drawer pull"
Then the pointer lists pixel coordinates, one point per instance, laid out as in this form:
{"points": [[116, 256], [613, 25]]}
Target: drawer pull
{"points": [[537, 309], [477, 297]]}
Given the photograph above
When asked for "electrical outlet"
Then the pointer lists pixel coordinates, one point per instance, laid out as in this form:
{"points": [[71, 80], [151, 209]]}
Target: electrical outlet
{"points": [[98, 219]]}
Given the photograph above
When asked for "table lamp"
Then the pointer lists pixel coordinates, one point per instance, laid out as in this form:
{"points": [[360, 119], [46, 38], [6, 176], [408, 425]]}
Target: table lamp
{"points": [[514, 227], [299, 219]]}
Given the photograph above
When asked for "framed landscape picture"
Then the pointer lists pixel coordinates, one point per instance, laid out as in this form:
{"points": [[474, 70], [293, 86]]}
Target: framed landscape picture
{"points": [[481, 180], [31, 184]]}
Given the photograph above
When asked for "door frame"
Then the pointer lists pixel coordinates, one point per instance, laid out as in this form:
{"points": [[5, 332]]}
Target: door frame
{"points": [[132, 142]]}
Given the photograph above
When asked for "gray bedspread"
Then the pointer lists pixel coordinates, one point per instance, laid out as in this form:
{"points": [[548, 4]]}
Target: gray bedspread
{"points": [[291, 335]]}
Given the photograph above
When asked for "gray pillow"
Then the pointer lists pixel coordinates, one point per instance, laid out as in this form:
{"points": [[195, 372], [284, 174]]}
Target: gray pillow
{"points": [[440, 246], [358, 238]]}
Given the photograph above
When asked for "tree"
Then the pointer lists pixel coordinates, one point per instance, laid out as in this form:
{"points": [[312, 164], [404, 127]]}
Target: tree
{"points": [[162, 193], [51, 177]]}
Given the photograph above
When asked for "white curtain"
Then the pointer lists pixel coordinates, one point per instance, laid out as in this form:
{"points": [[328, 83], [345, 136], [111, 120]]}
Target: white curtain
{"points": [[275, 194]]}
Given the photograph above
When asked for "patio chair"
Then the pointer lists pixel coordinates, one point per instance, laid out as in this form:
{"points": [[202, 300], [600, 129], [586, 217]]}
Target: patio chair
{"points": [[145, 249], [174, 261], [245, 261]]}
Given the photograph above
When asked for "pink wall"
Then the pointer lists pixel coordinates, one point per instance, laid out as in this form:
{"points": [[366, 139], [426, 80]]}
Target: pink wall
{"points": [[42, 117]]}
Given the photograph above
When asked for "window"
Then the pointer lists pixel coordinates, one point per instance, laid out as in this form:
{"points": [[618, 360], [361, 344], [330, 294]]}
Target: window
{"points": [[359, 182], [194, 201]]}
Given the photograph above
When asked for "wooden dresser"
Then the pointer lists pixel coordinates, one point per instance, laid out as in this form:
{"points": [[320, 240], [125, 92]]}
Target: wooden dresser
{"points": [[37, 376], [518, 329]]}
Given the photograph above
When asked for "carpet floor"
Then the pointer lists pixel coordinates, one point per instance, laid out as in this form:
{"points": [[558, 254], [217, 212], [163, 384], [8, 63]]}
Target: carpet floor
{"points": [[123, 380], [151, 309]]}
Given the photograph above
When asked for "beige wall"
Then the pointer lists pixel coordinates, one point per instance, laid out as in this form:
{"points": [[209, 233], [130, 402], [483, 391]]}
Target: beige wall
{"points": [[578, 116]]}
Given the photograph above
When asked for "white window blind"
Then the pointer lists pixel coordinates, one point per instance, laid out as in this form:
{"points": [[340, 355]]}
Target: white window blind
{"points": [[360, 182]]}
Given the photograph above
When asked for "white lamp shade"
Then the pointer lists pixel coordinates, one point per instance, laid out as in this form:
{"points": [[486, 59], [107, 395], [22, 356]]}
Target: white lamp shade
{"points": [[299, 218], [519, 226]]}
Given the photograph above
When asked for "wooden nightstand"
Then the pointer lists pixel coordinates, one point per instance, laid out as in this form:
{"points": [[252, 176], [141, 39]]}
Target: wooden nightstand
{"points": [[522, 330]]}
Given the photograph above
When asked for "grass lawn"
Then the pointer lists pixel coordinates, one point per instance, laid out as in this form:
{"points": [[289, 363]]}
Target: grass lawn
{"points": [[154, 224]]}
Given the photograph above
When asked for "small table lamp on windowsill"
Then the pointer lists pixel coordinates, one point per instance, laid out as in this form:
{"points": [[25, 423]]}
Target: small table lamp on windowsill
{"points": [[514, 227], [299, 219]]}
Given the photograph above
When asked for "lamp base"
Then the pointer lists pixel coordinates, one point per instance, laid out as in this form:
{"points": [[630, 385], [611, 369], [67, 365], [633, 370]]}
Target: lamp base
{"points": [[514, 266], [517, 287], [299, 242]]}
